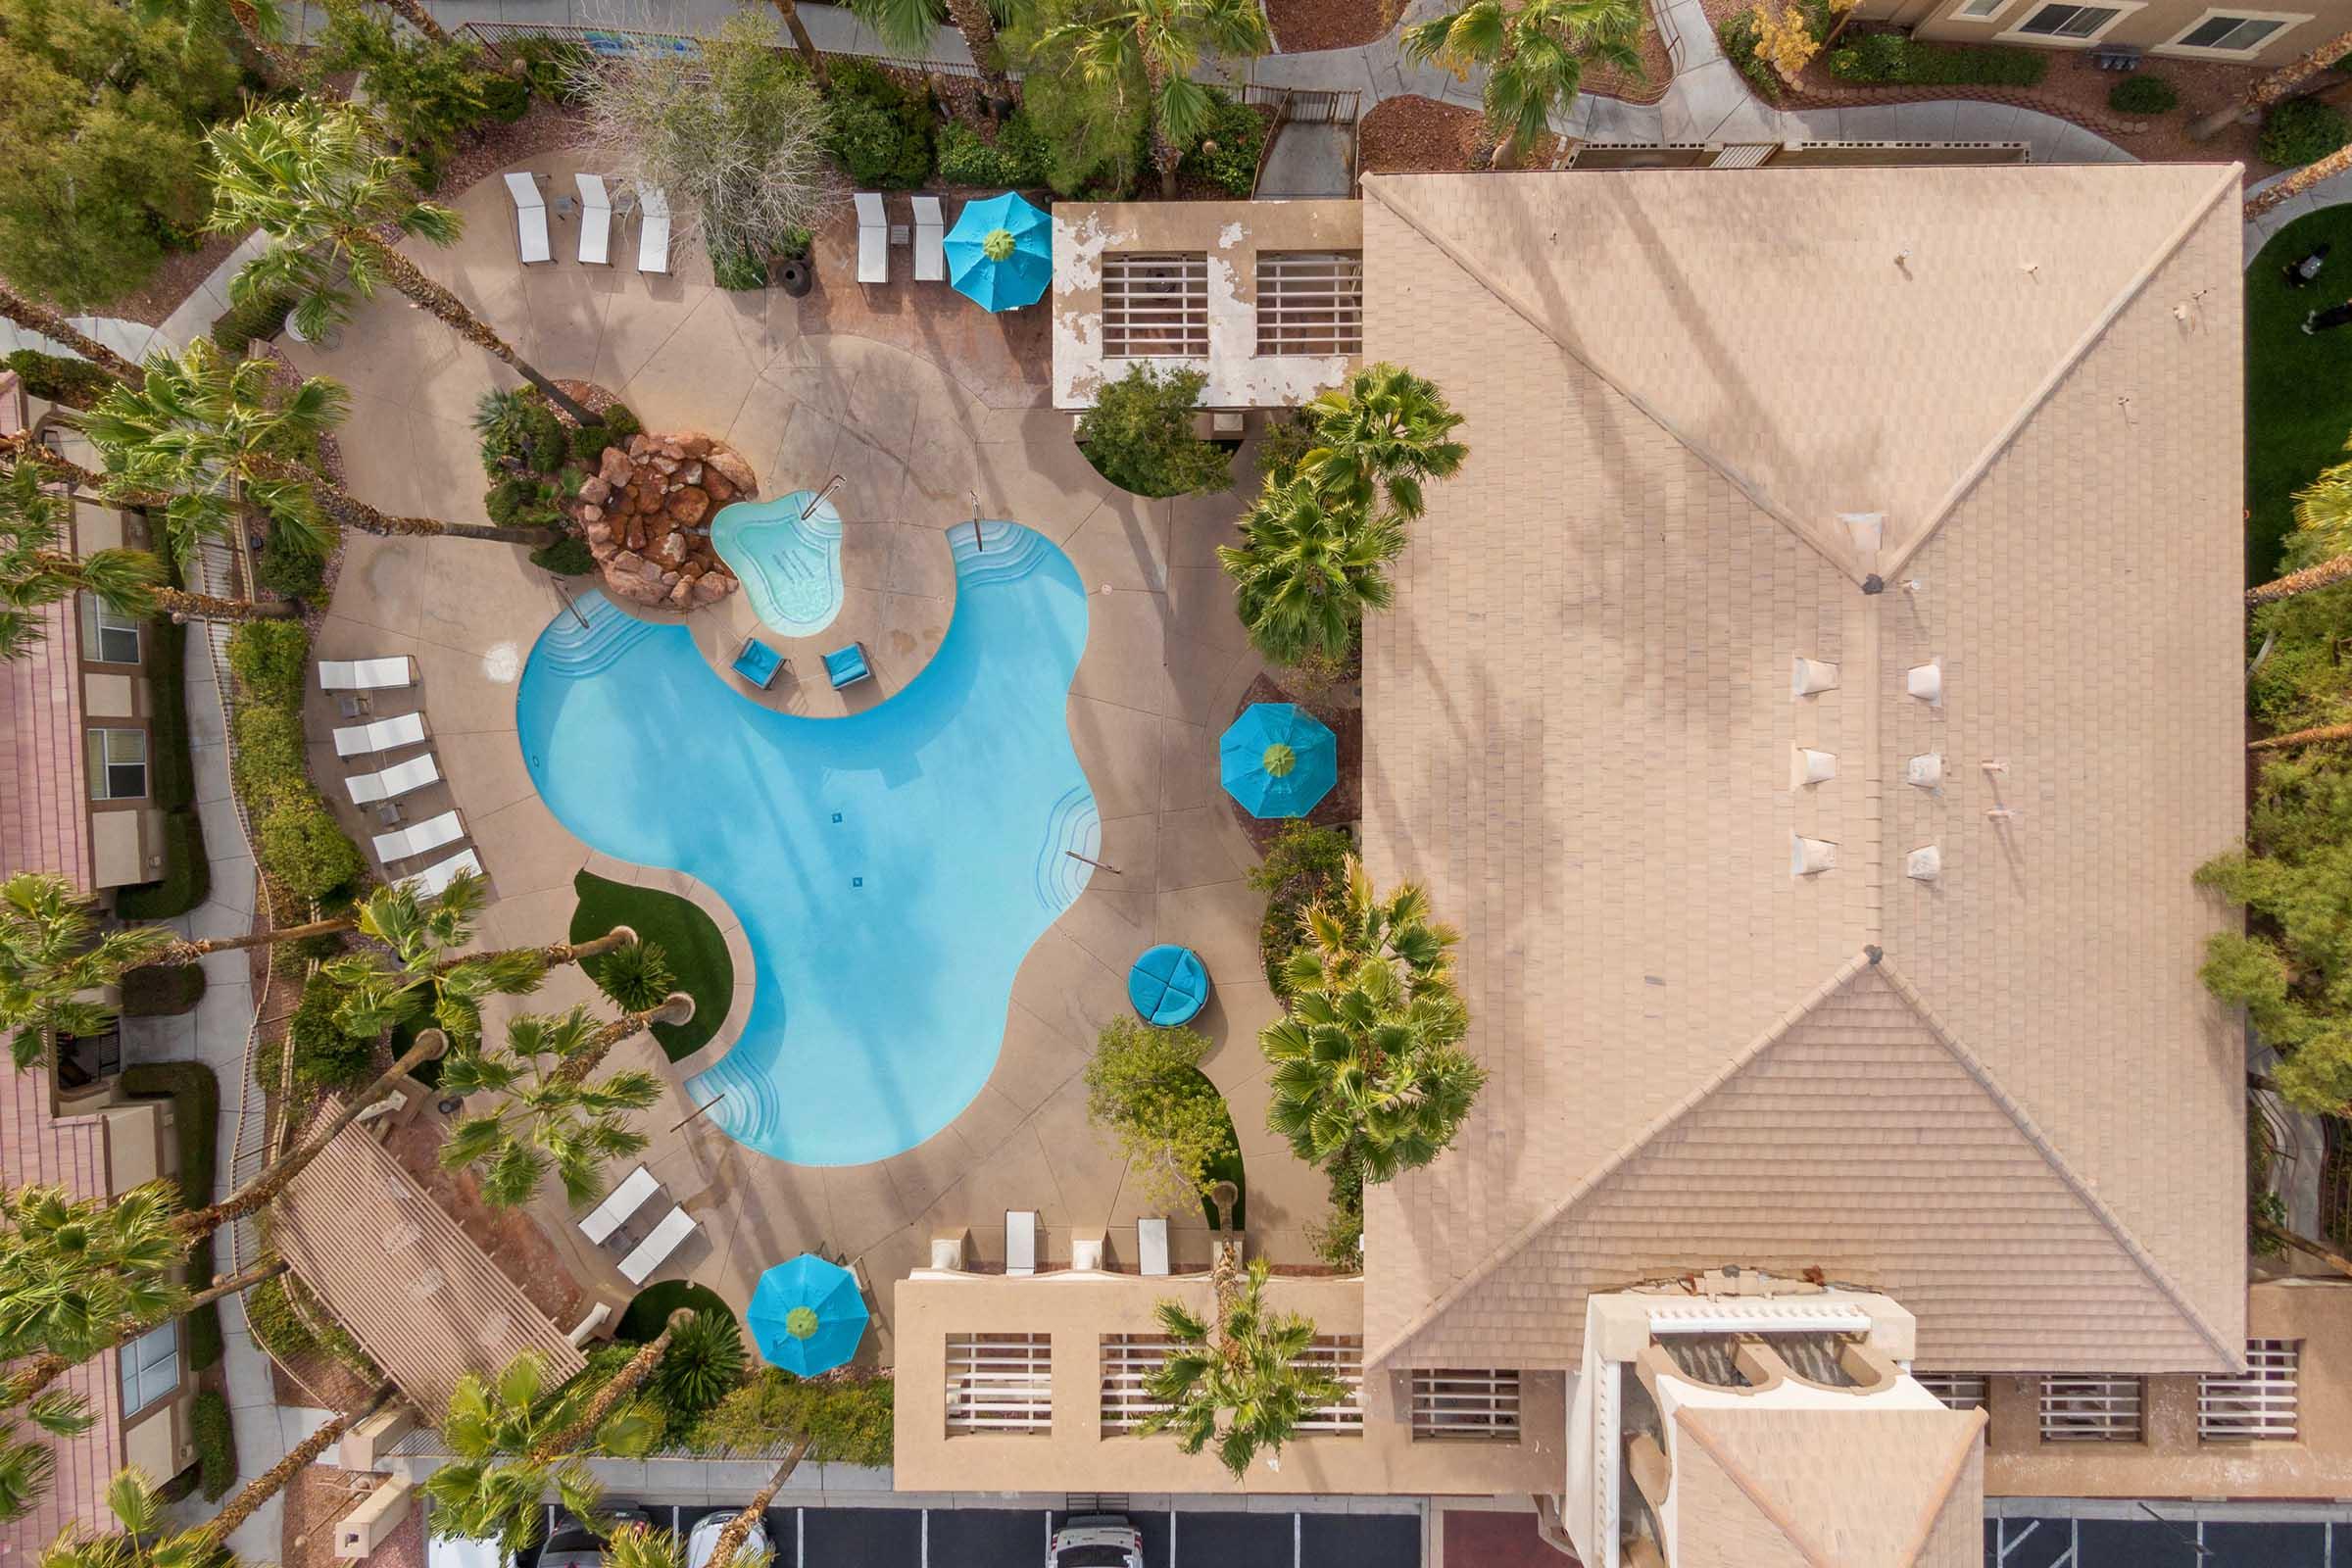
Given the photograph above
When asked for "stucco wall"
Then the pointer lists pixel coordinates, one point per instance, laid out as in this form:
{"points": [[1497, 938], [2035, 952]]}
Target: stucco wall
{"points": [[2152, 28]]}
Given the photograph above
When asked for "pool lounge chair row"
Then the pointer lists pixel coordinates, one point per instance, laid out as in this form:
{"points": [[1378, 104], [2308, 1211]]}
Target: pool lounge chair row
{"points": [[595, 224], [873, 239], [608, 1224]]}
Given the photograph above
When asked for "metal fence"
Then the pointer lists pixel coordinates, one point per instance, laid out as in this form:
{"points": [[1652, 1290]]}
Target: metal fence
{"points": [[613, 43]]}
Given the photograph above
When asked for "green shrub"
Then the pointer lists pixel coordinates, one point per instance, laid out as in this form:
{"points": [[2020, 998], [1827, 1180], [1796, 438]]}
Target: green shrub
{"points": [[1139, 434], [262, 316], [1017, 158], [848, 1422], [215, 1447], [187, 878], [2143, 95], [301, 845], [567, 556], [879, 129], [428, 92], [702, 1364], [195, 1095], [1303, 865], [291, 573], [268, 753], [325, 1056], [1338, 1241], [268, 659], [284, 1333], [75, 384], [1891, 57], [1145, 1086], [1736, 34], [521, 501], [172, 774], [161, 990], [542, 441], [505, 99], [548, 63], [739, 268], [2302, 131], [1226, 156], [290, 960], [1288, 436], [588, 441]]}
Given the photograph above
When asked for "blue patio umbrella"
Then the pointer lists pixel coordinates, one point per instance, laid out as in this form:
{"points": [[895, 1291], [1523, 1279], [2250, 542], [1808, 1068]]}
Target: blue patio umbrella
{"points": [[1000, 252], [807, 1315], [1278, 760]]}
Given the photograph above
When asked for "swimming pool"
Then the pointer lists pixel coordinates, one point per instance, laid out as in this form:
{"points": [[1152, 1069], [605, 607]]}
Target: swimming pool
{"points": [[891, 868], [790, 565]]}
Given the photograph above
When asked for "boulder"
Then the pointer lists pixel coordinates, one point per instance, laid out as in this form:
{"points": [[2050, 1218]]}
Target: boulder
{"points": [[732, 469], [598, 489], [627, 562], [599, 533], [682, 594], [614, 468], [590, 513], [712, 588], [695, 446], [689, 504], [716, 485], [650, 570], [672, 550], [639, 444], [692, 472], [667, 464]]}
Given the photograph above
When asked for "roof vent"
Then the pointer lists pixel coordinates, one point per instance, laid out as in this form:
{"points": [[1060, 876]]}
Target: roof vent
{"points": [[1866, 528], [1809, 766], [1810, 856], [1924, 864], [1925, 771], [1811, 676], [1925, 682]]}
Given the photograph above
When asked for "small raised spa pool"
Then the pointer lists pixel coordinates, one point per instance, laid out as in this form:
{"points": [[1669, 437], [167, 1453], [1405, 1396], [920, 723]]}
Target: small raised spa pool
{"points": [[891, 868]]}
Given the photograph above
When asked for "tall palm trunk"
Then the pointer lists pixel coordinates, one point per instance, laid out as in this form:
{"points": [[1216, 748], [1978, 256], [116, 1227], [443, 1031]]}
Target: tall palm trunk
{"points": [[347, 508], [675, 1009], [809, 56], [554, 955], [2302, 736], [257, 1195], [2326, 573], [273, 1479], [2296, 184], [411, 280], [38, 317], [37, 1373], [416, 15], [2306, 1245], [2278, 84], [276, 64], [189, 952], [739, 1529], [609, 1398], [178, 602], [979, 32], [23, 448]]}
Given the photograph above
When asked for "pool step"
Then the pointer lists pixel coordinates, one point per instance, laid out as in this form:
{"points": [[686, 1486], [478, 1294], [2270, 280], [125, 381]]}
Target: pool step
{"points": [[579, 652], [1005, 552], [1073, 825]]}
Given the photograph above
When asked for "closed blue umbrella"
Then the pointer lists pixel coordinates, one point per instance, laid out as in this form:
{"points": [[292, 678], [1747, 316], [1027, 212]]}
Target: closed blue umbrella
{"points": [[1000, 252], [1278, 760], [807, 1315]]}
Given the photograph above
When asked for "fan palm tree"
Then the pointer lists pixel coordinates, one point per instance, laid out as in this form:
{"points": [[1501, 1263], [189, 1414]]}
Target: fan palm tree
{"points": [[1307, 569], [2323, 537], [1385, 432], [34, 317], [810, 56], [1148, 50], [23, 449], [208, 431], [1241, 1380], [78, 1269], [213, 1534], [2294, 184], [1534, 56], [416, 15], [1356, 927], [316, 179], [905, 28], [546, 1114], [2280, 85], [26, 1461], [202, 22], [35, 1372], [143, 1540], [52, 957]]}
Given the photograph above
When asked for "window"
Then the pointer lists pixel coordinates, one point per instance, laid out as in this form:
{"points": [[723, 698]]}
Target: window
{"points": [[1454, 1402], [108, 637], [1128, 1359], [2256, 1406], [1962, 1390], [1979, 10], [1311, 302], [999, 1383], [1155, 305], [2090, 1409], [2068, 21], [150, 1368], [117, 765], [2230, 34]]}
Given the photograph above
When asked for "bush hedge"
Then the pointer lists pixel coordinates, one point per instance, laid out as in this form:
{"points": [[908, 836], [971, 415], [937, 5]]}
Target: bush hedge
{"points": [[504, 98], [195, 1095], [299, 843], [2302, 131], [268, 659], [567, 556], [588, 441], [159, 990], [75, 384], [278, 1329], [1891, 58], [1226, 156], [1017, 159], [878, 128], [216, 1446], [548, 65], [326, 1054], [848, 1422], [2143, 95], [187, 878], [1303, 865]]}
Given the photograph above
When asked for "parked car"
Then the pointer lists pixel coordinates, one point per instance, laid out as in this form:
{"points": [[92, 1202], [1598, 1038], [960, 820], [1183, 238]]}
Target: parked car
{"points": [[571, 1543], [702, 1540], [1096, 1541]]}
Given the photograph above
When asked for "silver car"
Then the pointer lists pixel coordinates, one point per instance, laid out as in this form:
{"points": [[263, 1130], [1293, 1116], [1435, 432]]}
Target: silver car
{"points": [[573, 1545], [1096, 1541]]}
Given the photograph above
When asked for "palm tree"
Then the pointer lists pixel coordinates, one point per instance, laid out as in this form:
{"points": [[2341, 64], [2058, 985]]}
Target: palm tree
{"points": [[213, 1534], [260, 23], [810, 56], [2279, 84], [643, 1547], [26, 1461], [1240, 1382], [36, 1372], [51, 957], [1148, 50], [1358, 926], [2297, 183], [144, 1539], [315, 180], [1385, 430], [1535, 57], [22, 448], [906, 26], [1308, 569], [37, 318], [546, 1114], [416, 15], [611, 1400], [208, 431], [78, 1269], [725, 1549]]}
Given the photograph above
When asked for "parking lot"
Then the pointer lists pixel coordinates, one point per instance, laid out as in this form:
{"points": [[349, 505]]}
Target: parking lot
{"points": [[1016, 1537]]}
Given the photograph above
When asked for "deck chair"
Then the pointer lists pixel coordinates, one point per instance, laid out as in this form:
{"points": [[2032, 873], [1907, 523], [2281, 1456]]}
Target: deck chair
{"points": [[596, 221], [653, 230], [930, 241], [1151, 1241], [406, 842], [367, 674], [434, 879], [531, 219], [370, 789], [873, 239], [384, 735], [618, 1205], [1020, 1241], [847, 667], [662, 1241]]}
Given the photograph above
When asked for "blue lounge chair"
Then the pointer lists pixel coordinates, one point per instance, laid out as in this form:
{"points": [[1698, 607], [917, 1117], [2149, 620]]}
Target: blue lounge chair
{"points": [[759, 663], [847, 665]]}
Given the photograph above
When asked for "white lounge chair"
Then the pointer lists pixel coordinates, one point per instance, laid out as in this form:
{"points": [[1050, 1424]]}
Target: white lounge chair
{"points": [[384, 735], [873, 239], [406, 842], [618, 1205], [652, 231], [1020, 1241], [434, 880], [370, 789], [930, 241], [1151, 1241], [367, 674], [531, 219], [596, 221], [662, 1241]]}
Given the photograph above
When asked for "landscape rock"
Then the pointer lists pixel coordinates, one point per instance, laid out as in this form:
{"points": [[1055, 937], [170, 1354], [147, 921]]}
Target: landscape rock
{"points": [[732, 469], [671, 550], [598, 489], [644, 515], [689, 504], [613, 468], [715, 485], [639, 444], [590, 512]]}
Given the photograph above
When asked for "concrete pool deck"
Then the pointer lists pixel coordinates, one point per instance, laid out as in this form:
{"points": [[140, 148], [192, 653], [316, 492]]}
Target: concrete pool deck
{"points": [[1164, 666]]}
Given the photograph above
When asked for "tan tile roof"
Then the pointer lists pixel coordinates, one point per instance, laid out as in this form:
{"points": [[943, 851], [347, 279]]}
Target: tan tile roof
{"points": [[1827, 1488], [43, 809], [1580, 737], [425, 1301]]}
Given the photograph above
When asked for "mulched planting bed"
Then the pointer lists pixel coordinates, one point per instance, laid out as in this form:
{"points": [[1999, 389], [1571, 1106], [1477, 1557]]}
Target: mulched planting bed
{"points": [[1417, 136], [1302, 26], [1345, 802]]}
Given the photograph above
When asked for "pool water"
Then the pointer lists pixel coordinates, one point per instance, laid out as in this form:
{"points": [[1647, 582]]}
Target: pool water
{"points": [[789, 565], [891, 868]]}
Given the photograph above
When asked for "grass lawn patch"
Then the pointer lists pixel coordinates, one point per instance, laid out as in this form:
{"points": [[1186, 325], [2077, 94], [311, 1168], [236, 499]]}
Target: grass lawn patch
{"points": [[652, 1305], [195, 1095], [687, 937], [2298, 388]]}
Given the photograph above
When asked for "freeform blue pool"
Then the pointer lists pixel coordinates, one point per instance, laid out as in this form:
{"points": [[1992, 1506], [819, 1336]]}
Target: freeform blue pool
{"points": [[790, 565], [891, 868]]}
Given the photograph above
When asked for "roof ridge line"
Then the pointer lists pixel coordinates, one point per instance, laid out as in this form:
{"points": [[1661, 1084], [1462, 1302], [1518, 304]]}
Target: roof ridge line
{"points": [[1375, 186], [1543, 1221], [1952, 1466], [1687, 1417], [2137, 284], [1974, 1066]]}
